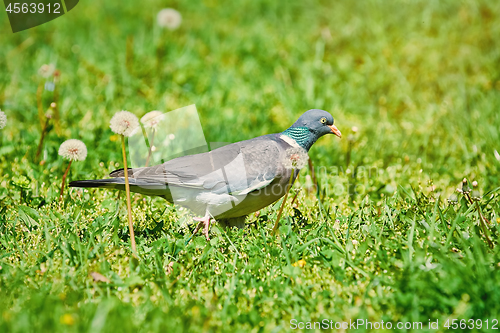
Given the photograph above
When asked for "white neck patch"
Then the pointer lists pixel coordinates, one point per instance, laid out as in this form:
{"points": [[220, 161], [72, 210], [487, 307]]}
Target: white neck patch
{"points": [[289, 140]]}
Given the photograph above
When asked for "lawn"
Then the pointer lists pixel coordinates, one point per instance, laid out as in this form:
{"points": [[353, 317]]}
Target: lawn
{"points": [[413, 85]]}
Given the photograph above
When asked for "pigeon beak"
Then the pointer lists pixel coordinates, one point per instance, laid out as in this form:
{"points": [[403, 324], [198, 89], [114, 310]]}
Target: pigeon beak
{"points": [[335, 130]]}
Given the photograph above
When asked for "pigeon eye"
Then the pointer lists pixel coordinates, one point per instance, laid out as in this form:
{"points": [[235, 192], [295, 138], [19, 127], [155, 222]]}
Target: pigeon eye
{"points": [[323, 120]]}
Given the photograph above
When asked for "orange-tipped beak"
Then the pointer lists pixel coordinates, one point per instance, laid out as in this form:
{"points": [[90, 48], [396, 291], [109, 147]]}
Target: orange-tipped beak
{"points": [[335, 130]]}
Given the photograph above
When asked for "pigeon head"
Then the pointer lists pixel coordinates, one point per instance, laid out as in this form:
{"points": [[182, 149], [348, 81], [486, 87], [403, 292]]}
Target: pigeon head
{"points": [[312, 125]]}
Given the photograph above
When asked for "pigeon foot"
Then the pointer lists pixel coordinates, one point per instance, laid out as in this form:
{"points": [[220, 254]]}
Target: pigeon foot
{"points": [[205, 222]]}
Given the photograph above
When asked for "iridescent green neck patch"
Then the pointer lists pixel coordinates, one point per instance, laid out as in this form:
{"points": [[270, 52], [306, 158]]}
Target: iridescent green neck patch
{"points": [[301, 135]]}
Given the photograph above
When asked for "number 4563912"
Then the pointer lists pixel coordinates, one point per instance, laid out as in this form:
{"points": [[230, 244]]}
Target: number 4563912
{"points": [[32, 8], [471, 323]]}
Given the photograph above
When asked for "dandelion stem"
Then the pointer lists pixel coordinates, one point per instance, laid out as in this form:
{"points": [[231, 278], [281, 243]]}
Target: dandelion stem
{"points": [[64, 180], [295, 197], [469, 198], [39, 104], [151, 147], [55, 107], [275, 228], [127, 190], [42, 137]]}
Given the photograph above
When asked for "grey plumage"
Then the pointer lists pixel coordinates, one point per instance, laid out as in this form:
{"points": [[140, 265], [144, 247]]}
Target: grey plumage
{"points": [[229, 182]]}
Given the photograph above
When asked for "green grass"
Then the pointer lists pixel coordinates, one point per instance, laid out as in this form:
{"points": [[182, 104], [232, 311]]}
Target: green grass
{"points": [[421, 81]]}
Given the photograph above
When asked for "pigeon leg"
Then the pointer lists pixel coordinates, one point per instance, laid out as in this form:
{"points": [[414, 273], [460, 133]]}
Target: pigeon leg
{"points": [[204, 221]]}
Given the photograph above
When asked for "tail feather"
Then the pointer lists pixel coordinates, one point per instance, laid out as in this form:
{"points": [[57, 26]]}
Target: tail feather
{"points": [[101, 183], [138, 186]]}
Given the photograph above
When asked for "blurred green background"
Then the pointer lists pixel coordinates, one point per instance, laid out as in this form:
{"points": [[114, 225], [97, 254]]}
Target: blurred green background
{"points": [[420, 80]]}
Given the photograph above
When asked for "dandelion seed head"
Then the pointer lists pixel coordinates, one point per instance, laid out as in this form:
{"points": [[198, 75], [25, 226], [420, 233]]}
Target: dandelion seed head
{"points": [[152, 119], [169, 18], [46, 70], [295, 158], [124, 123], [73, 150], [3, 119]]}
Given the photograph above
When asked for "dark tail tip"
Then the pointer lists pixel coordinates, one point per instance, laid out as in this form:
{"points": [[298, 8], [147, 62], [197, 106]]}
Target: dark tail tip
{"points": [[105, 183]]}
